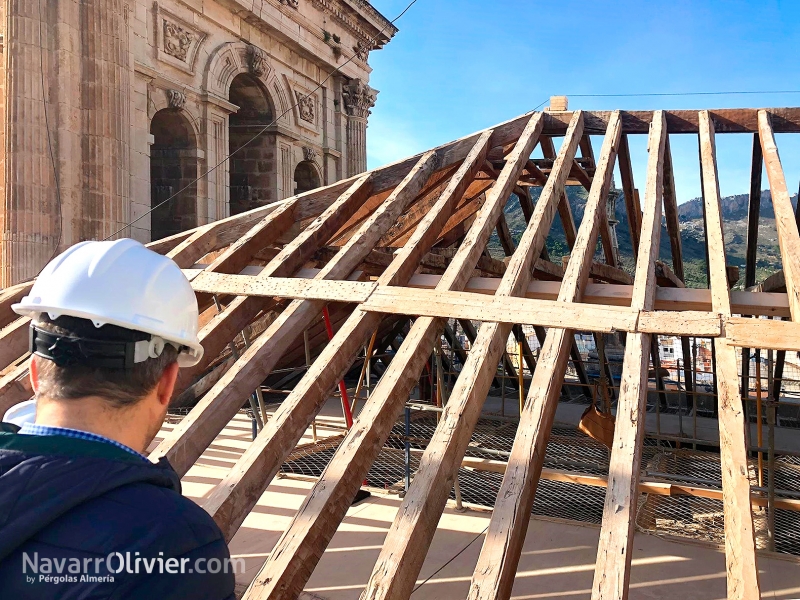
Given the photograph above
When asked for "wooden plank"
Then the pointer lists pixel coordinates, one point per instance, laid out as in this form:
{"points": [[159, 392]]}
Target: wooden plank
{"points": [[671, 214], [751, 303], [646, 486], [9, 296], [497, 564], [629, 190], [411, 532], [614, 552], [14, 341], [241, 311], [233, 498], [564, 209], [297, 552], [764, 334], [740, 548], [788, 237], [284, 287], [188, 440], [753, 213], [669, 299], [547, 313], [15, 387]]}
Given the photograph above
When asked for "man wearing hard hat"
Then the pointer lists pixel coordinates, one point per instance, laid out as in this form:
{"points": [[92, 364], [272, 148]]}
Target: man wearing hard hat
{"points": [[83, 512]]}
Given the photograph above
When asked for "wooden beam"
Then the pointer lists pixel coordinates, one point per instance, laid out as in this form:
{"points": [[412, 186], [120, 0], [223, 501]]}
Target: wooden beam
{"points": [[670, 299], [788, 237], [564, 209], [14, 342], [629, 190], [614, 552], [409, 537], [497, 564], [233, 498], [646, 486], [740, 547], [297, 552], [729, 120], [191, 437]]}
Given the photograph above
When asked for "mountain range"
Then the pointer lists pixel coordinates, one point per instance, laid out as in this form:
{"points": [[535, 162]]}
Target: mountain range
{"points": [[690, 215]]}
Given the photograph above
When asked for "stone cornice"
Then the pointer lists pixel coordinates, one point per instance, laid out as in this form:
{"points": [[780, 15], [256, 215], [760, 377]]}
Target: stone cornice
{"points": [[367, 12]]}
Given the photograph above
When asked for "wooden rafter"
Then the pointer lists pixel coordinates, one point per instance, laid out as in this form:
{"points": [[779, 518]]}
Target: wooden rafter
{"points": [[614, 553], [740, 546], [287, 569], [497, 564]]}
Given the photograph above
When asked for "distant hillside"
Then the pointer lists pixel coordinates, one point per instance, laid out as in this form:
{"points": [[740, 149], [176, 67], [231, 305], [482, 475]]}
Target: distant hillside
{"points": [[690, 214]]}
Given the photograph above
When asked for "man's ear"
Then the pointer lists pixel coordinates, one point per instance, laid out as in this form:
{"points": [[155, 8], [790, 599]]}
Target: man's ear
{"points": [[34, 375], [166, 385]]}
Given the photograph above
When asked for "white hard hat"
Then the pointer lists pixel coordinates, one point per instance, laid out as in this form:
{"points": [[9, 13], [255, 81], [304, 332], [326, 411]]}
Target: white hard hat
{"points": [[120, 283]]}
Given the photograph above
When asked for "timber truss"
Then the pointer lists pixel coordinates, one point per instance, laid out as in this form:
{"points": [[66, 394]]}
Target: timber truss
{"points": [[409, 240]]}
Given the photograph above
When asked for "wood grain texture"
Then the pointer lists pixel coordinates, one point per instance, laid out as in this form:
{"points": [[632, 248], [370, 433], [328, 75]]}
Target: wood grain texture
{"points": [[614, 552], [785, 222], [740, 548], [301, 546], [233, 498], [494, 573]]}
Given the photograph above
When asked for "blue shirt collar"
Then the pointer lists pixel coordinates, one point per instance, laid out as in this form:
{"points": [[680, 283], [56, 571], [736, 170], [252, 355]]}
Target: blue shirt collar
{"points": [[33, 429]]}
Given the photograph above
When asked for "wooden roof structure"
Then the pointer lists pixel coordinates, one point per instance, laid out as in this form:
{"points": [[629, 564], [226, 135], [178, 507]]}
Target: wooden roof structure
{"points": [[409, 239]]}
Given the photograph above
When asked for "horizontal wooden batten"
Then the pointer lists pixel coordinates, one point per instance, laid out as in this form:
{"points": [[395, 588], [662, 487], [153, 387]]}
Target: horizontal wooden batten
{"points": [[646, 486], [548, 313], [296, 288]]}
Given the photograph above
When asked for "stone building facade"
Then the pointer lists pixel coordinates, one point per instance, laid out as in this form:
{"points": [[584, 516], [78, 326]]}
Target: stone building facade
{"points": [[110, 107]]}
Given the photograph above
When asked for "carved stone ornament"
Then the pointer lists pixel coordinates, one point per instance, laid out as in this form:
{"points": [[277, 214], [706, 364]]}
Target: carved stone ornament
{"points": [[305, 106], [309, 154], [359, 98], [292, 3], [176, 98], [257, 60], [177, 40], [362, 51]]}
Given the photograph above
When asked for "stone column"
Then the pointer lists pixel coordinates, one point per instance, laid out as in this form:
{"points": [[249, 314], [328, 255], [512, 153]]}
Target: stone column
{"points": [[85, 62], [359, 98]]}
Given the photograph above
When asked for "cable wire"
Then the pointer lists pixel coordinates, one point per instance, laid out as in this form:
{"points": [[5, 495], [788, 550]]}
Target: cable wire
{"points": [[455, 556], [49, 144], [263, 129]]}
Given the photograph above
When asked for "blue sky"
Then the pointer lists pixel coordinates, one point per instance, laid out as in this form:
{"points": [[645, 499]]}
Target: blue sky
{"points": [[459, 66]]}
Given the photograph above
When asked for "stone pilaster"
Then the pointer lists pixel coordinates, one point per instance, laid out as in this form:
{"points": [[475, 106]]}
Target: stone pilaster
{"points": [[359, 98], [85, 61]]}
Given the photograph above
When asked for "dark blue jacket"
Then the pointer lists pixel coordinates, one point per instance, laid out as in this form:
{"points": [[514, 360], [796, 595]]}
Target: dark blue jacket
{"points": [[63, 499]]}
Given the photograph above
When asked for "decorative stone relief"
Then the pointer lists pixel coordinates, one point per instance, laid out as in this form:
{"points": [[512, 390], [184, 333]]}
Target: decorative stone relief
{"points": [[177, 40], [309, 154], [359, 98], [362, 50], [257, 60], [292, 3], [305, 106], [176, 98]]}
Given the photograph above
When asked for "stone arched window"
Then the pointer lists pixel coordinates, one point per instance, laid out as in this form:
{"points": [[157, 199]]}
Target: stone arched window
{"points": [[252, 167], [173, 166], [306, 177]]}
